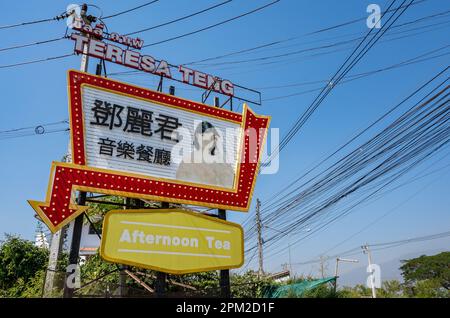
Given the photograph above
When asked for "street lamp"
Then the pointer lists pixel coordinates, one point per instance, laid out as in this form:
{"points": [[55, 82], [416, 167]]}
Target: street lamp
{"points": [[289, 242], [337, 266]]}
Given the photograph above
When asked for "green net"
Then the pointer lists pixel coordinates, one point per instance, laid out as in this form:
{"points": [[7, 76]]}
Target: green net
{"points": [[296, 289]]}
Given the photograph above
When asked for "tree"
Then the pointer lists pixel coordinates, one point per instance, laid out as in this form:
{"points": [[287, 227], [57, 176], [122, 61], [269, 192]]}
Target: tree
{"points": [[391, 289], [249, 285], [358, 291], [435, 270], [22, 265]]}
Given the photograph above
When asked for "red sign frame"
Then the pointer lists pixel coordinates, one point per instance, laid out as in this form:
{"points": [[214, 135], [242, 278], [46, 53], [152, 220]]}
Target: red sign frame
{"points": [[58, 208]]}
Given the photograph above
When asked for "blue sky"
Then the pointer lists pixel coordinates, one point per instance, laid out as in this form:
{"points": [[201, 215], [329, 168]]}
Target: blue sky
{"points": [[36, 94]]}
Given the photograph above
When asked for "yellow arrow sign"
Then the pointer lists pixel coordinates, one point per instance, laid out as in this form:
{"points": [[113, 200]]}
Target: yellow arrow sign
{"points": [[171, 240]]}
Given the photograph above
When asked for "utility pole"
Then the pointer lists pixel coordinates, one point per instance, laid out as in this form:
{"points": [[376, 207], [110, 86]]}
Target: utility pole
{"points": [[81, 200], [225, 273], [337, 267], [260, 242], [290, 260], [56, 246], [323, 265], [372, 277]]}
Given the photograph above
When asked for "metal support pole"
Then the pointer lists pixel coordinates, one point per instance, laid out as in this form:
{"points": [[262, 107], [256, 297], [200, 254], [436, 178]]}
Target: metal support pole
{"points": [[260, 243], [161, 278], [225, 287], [123, 290], [160, 283], [336, 274]]}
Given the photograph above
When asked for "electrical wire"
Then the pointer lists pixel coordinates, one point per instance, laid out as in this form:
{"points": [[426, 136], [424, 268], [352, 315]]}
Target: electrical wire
{"points": [[36, 61], [129, 10], [180, 19], [358, 76], [31, 44], [276, 42], [348, 64], [380, 246], [57, 18], [214, 25], [39, 129], [435, 136]]}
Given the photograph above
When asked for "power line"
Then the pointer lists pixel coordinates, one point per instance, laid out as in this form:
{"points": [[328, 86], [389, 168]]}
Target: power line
{"points": [[434, 133], [321, 47], [37, 61], [31, 44], [39, 129], [416, 141], [180, 19], [388, 212], [310, 49], [336, 78], [267, 66], [212, 26], [272, 43], [363, 18], [129, 10], [378, 120], [27, 134], [52, 40], [30, 127], [271, 202], [358, 76], [147, 29], [381, 246], [57, 18]]}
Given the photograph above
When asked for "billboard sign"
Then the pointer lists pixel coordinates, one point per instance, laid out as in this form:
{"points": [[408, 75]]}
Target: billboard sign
{"points": [[135, 142], [171, 240]]}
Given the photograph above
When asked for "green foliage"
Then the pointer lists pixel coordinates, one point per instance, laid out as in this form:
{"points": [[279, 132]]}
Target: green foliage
{"points": [[94, 268], [429, 288], [435, 269], [201, 281], [22, 267], [248, 285], [358, 291], [391, 289]]}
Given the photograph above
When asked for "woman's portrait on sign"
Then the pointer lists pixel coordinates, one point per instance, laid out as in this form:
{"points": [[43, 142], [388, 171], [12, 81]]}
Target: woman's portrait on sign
{"points": [[206, 163]]}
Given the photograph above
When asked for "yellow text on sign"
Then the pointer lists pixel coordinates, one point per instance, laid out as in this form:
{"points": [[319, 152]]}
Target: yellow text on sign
{"points": [[172, 241]]}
